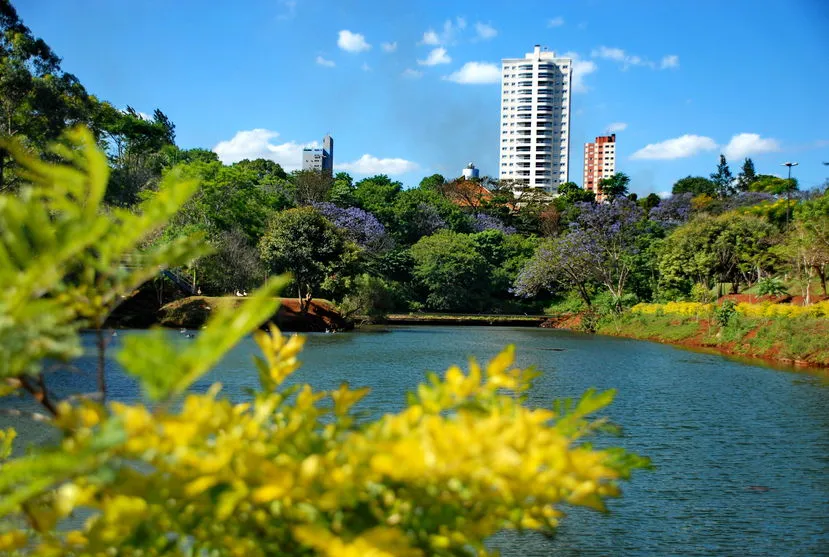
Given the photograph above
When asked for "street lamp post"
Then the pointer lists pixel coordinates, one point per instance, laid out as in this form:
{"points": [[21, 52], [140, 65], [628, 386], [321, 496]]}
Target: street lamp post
{"points": [[788, 189]]}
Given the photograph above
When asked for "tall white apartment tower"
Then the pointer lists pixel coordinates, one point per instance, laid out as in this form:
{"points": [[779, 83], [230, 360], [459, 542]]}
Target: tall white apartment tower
{"points": [[535, 119]]}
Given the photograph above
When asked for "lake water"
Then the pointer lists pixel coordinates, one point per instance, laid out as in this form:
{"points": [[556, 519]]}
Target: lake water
{"points": [[714, 429]]}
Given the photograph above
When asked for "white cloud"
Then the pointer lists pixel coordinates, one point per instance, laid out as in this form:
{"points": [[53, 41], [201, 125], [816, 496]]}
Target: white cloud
{"points": [[323, 62], [290, 9], [430, 38], [628, 60], [437, 56], [745, 144], [676, 148], [258, 144], [412, 74], [352, 42], [476, 73], [581, 69], [368, 164], [447, 36], [664, 194], [669, 61], [616, 54], [617, 127], [485, 31], [389, 47], [556, 22]]}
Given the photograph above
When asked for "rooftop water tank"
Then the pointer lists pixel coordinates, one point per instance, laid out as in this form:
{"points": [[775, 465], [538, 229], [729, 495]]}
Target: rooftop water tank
{"points": [[470, 172]]}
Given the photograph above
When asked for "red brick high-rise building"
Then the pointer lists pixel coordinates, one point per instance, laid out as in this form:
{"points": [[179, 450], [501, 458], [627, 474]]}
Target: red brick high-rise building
{"points": [[599, 163]]}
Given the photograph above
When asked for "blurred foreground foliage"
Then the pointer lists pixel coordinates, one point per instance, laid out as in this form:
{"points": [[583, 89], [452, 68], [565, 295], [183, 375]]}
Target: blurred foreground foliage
{"points": [[289, 471]]}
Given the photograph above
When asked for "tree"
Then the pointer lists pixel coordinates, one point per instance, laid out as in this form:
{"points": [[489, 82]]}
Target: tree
{"points": [[649, 202], [747, 176], [360, 226], [571, 193], [342, 190], [559, 265], [234, 265], [607, 233], [377, 195], [722, 179], [767, 183], [304, 243], [418, 213], [599, 247], [614, 187], [137, 151], [696, 185], [673, 211], [228, 198], [38, 101], [311, 186], [451, 271], [806, 256], [434, 182], [728, 248]]}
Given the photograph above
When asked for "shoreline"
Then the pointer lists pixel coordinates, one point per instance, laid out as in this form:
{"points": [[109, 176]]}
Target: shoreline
{"points": [[465, 320], [775, 349]]}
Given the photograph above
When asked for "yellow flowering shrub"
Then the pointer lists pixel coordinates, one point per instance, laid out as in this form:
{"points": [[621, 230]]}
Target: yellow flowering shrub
{"points": [[761, 310], [291, 470], [685, 309], [820, 309]]}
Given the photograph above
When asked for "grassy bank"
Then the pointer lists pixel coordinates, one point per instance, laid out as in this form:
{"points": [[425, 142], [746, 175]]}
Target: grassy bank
{"points": [[801, 339], [192, 312]]}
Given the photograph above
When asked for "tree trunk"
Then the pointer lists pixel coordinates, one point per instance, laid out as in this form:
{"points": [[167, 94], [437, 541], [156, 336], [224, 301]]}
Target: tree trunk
{"points": [[2, 167], [584, 296]]}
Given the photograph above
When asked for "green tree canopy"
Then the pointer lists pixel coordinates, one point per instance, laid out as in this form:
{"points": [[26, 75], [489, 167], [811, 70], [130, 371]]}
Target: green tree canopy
{"points": [[723, 179], [772, 184], [570, 193], [452, 272], [731, 247], [377, 195], [616, 186], [304, 243], [342, 190], [696, 185], [747, 176]]}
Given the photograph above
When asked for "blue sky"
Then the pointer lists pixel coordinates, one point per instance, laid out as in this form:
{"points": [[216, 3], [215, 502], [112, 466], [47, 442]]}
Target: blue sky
{"points": [[407, 88]]}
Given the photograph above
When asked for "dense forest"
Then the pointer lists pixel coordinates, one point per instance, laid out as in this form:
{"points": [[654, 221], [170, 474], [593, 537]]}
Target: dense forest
{"points": [[449, 245]]}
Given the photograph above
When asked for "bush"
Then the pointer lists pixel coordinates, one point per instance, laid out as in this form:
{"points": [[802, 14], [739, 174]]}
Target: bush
{"points": [[290, 471], [371, 299], [771, 286], [701, 293], [725, 312]]}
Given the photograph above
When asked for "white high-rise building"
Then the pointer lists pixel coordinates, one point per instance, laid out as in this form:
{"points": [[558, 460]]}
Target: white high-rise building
{"points": [[535, 119]]}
